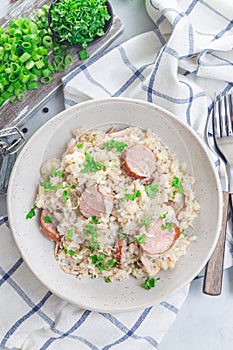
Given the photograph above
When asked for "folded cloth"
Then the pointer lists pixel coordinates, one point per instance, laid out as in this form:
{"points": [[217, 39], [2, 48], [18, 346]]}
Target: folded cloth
{"points": [[178, 66]]}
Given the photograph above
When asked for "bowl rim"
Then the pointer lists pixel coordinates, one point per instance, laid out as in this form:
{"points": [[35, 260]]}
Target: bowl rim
{"points": [[107, 27], [204, 147]]}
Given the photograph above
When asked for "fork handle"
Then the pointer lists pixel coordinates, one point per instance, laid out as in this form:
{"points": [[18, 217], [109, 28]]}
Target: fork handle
{"points": [[214, 269]]}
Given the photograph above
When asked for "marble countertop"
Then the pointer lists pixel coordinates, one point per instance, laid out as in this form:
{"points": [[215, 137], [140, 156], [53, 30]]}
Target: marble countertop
{"points": [[204, 322]]}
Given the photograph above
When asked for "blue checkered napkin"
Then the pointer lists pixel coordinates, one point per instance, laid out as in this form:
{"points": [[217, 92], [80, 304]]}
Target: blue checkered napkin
{"points": [[178, 66], [33, 318]]}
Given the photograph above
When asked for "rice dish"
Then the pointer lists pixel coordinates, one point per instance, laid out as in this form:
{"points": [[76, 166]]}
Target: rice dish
{"points": [[117, 204]]}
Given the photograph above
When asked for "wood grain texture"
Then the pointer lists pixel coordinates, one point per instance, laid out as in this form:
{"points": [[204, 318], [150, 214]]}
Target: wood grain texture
{"points": [[214, 269], [15, 114]]}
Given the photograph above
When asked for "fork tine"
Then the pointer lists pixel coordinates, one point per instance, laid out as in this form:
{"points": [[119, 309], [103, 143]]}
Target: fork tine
{"points": [[222, 114], [228, 113], [215, 118]]}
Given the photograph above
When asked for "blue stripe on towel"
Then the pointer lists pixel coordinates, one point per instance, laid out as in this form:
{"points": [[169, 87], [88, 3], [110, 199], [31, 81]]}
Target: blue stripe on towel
{"points": [[7, 274], [130, 333], [17, 324], [169, 307], [81, 320]]}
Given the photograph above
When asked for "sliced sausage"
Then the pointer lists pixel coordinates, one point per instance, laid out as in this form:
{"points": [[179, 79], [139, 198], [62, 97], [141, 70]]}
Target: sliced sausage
{"points": [[96, 200], [138, 161], [49, 229], [121, 245], [159, 240], [178, 205]]}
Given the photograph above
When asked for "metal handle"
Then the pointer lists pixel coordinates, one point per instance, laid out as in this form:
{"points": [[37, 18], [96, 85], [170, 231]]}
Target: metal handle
{"points": [[11, 140], [13, 145], [214, 269]]}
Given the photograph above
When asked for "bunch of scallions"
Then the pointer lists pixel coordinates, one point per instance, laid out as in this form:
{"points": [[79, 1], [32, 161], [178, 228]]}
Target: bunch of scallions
{"points": [[29, 56]]}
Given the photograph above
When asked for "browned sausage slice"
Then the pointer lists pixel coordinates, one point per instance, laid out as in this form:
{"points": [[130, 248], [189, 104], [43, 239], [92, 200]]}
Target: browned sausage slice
{"points": [[158, 239], [138, 161], [94, 201], [49, 229]]}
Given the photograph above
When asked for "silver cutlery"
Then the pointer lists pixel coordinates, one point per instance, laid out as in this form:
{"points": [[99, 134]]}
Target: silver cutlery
{"points": [[11, 141], [223, 147]]}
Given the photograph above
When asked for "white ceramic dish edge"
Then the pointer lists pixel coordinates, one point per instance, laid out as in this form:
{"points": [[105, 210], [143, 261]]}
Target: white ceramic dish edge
{"points": [[53, 125]]}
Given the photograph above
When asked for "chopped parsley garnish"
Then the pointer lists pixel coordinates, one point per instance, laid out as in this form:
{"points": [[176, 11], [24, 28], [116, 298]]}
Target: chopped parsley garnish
{"points": [[111, 263], [49, 187], [90, 230], [167, 226], [69, 234], [107, 280], [141, 238], [182, 231], [146, 222], [94, 220], [66, 195], [177, 183], [152, 190], [118, 145], [131, 196], [71, 252], [150, 282], [163, 216], [47, 219], [90, 165], [121, 235], [99, 262], [67, 189], [80, 145], [32, 212], [56, 173]]}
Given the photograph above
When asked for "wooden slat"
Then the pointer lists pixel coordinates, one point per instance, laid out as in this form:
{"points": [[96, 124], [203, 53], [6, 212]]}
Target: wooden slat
{"points": [[15, 114]]}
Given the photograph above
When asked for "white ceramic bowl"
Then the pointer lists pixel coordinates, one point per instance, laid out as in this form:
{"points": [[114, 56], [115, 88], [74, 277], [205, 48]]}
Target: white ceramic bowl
{"points": [[50, 141]]}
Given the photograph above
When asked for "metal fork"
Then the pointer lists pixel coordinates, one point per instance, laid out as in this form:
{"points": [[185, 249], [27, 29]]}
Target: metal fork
{"points": [[222, 129], [223, 134]]}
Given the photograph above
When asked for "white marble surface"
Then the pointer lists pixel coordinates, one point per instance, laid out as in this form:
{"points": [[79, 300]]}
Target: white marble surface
{"points": [[204, 322]]}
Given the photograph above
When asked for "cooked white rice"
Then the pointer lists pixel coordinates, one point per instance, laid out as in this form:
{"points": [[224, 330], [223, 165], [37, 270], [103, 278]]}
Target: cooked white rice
{"points": [[76, 251]]}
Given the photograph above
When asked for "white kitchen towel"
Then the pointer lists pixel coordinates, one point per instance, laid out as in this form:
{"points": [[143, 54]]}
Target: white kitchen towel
{"points": [[178, 66]]}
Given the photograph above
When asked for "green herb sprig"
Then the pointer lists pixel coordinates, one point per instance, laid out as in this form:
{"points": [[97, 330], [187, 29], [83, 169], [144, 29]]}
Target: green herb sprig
{"points": [[57, 173], [152, 190], [150, 282], [167, 226], [32, 212], [98, 260], [146, 222], [177, 184], [141, 238], [90, 165], [69, 234], [131, 196], [48, 219], [118, 145], [90, 231]]}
